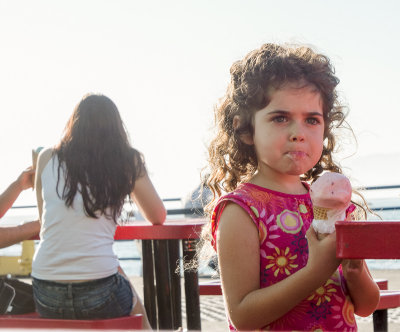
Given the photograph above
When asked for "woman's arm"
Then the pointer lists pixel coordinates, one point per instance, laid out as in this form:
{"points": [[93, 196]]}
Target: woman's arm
{"points": [[8, 197], [43, 158], [364, 291], [250, 307], [16, 234], [149, 203]]}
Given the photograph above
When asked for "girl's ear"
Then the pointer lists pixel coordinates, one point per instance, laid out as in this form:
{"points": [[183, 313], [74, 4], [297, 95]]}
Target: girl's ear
{"points": [[245, 138]]}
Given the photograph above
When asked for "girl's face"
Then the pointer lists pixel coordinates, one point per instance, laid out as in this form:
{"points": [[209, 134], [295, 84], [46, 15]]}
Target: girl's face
{"points": [[289, 132]]}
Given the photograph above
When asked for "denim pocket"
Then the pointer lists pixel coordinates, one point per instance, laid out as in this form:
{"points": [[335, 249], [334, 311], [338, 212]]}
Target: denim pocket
{"points": [[47, 311], [49, 300], [107, 302], [105, 298]]}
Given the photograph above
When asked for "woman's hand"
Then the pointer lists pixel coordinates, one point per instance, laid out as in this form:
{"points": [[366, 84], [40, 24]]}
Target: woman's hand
{"points": [[26, 178], [8, 197]]}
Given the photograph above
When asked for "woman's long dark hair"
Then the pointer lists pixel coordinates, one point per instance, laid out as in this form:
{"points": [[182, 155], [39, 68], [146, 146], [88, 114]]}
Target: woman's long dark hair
{"points": [[97, 158]]}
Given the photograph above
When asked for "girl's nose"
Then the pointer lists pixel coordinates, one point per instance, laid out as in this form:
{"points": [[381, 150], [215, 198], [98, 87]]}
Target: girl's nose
{"points": [[296, 134]]}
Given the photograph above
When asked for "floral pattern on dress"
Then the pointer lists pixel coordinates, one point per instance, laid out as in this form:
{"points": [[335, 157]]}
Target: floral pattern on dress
{"points": [[282, 261], [300, 243], [267, 227], [320, 311], [324, 293], [282, 221], [289, 221]]}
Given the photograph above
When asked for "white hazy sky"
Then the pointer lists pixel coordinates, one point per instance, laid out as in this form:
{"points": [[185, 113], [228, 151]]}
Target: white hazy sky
{"points": [[166, 63]]}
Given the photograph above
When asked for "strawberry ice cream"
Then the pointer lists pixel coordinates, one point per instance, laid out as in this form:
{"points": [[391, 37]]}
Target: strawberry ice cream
{"points": [[331, 196]]}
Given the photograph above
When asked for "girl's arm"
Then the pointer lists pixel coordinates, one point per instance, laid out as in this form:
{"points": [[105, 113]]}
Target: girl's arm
{"points": [[16, 234], [250, 307], [364, 292], [149, 203], [8, 197]]}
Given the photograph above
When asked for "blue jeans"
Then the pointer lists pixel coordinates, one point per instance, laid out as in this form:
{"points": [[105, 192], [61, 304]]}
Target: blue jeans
{"points": [[103, 298]]}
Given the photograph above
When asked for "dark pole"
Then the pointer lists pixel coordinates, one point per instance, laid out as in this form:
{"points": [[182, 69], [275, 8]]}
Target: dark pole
{"points": [[149, 293], [191, 286], [175, 273], [163, 284], [380, 319]]}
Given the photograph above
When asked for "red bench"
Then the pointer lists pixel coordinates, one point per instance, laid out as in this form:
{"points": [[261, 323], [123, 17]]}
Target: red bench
{"points": [[388, 300], [213, 287], [33, 321]]}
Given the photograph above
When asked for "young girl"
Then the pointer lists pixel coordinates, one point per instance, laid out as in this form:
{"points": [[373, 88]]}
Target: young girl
{"points": [[81, 185], [275, 132]]}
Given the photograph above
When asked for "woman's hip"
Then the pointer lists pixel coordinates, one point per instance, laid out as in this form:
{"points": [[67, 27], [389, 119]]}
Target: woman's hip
{"points": [[102, 298]]}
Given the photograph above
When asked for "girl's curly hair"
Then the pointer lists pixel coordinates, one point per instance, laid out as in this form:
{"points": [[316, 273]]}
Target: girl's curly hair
{"points": [[269, 67]]}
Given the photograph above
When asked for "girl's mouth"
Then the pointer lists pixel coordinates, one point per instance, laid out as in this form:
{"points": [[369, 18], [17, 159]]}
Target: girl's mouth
{"points": [[296, 155]]}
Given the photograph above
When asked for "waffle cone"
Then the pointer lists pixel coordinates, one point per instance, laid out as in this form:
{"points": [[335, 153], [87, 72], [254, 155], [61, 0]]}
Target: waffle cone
{"points": [[320, 213]]}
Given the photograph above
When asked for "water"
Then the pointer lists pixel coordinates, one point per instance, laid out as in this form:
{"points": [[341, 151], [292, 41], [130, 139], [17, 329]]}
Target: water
{"points": [[130, 251]]}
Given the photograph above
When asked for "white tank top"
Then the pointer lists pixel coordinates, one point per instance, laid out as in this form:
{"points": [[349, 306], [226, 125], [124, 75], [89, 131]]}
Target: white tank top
{"points": [[72, 246]]}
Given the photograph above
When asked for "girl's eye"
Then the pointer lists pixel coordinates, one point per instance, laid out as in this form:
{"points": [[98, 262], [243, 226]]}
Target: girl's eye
{"points": [[279, 119], [313, 121]]}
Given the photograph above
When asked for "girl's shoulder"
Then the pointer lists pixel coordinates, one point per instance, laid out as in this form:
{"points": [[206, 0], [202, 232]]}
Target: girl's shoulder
{"points": [[262, 205], [259, 201], [253, 199], [255, 193]]}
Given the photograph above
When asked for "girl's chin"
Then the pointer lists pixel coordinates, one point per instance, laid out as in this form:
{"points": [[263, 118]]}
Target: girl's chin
{"points": [[297, 171], [291, 168]]}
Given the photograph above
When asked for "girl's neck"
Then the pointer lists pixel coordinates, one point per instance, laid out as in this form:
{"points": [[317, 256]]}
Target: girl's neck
{"points": [[288, 184]]}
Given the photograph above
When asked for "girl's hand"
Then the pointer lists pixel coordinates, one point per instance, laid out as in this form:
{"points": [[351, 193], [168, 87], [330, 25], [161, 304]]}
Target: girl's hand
{"points": [[26, 178], [352, 268], [322, 254]]}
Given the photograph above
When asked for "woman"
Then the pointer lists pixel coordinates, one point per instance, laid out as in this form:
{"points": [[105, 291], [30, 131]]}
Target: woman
{"points": [[81, 186]]}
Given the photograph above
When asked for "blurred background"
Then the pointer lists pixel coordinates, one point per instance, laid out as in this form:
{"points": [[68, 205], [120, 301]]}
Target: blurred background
{"points": [[166, 63]]}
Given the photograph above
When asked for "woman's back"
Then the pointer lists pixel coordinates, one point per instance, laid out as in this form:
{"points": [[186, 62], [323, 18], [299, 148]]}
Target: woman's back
{"points": [[73, 246]]}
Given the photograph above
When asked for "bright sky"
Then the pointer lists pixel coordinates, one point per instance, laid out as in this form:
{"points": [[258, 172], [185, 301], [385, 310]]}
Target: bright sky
{"points": [[166, 63]]}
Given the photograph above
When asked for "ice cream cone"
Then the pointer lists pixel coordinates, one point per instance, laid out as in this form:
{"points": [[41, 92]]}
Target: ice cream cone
{"points": [[320, 213], [331, 196]]}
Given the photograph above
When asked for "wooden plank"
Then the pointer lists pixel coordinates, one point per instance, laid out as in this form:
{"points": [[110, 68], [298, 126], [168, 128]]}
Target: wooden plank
{"points": [[191, 287], [389, 299], [149, 291], [171, 229], [33, 321], [213, 287], [368, 239], [163, 285], [174, 271]]}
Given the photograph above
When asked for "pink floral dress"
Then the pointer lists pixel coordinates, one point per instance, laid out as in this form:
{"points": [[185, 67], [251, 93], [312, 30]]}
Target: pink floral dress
{"points": [[282, 221]]}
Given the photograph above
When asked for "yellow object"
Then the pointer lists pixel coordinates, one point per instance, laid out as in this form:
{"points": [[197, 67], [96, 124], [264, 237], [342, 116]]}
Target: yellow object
{"points": [[320, 213], [19, 265]]}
